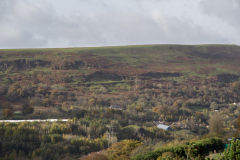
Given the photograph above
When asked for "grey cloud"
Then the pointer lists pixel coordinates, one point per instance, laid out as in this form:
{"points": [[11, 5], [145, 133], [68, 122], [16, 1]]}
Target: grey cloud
{"points": [[20, 21], [51, 23], [227, 10]]}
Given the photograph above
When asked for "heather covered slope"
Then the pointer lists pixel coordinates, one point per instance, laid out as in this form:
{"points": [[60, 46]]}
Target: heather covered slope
{"points": [[52, 77]]}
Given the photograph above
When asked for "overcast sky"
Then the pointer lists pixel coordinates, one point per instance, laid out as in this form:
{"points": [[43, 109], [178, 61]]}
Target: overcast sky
{"points": [[77, 23]]}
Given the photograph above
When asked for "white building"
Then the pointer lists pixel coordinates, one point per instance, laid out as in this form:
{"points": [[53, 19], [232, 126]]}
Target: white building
{"points": [[164, 127]]}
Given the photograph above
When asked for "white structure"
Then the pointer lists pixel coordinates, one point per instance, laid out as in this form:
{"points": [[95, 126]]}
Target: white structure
{"points": [[162, 126], [115, 107], [34, 120]]}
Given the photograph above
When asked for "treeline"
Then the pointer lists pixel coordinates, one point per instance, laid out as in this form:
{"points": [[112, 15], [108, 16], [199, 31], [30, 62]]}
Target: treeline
{"points": [[191, 150], [74, 138], [45, 141], [195, 149]]}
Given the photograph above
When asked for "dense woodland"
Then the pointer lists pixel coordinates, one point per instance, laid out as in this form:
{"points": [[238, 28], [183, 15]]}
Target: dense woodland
{"points": [[193, 89]]}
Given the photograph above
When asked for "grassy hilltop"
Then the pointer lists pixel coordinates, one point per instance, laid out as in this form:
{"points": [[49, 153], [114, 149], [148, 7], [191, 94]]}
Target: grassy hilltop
{"points": [[133, 60]]}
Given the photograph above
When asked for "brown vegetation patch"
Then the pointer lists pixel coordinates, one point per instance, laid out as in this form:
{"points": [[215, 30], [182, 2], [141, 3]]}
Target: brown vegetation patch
{"points": [[94, 61]]}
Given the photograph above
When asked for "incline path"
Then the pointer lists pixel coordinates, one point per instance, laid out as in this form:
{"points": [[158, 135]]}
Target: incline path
{"points": [[35, 120]]}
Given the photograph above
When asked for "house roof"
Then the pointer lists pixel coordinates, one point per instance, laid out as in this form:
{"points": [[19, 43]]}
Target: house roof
{"points": [[162, 126], [115, 106]]}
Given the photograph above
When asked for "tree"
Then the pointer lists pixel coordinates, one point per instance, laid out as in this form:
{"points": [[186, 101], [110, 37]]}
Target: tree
{"points": [[233, 151], [238, 123], [95, 156], [7, 109], [167, 156], [213, 106], [92, 101], [236, 86], [216, 124], [2, 90], [7, 112], [122, 150], [27, 109], [14, 91]]}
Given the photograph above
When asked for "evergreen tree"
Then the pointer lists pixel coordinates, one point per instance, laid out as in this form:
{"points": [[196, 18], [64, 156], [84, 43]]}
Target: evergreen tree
{"points": [[233, 151]]}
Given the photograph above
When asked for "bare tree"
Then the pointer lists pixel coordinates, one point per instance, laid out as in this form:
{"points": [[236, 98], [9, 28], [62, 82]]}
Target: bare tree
{"points": [[216, 123]]}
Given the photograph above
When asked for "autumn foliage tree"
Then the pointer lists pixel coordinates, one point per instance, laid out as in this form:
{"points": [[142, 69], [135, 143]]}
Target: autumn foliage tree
{"points": [[238, 123], [122, 150], [95, 156], [7, 109], [7, 112], [236, 86], [27, 108], [216, 124]]}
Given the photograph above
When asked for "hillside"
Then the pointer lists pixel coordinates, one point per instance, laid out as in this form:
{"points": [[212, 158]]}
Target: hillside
{"points": [[188, 87], [77, 73], [129, 60]]}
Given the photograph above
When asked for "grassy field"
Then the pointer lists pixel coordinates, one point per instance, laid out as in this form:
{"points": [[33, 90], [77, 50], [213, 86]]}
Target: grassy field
{"points": [[194, 60]]}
